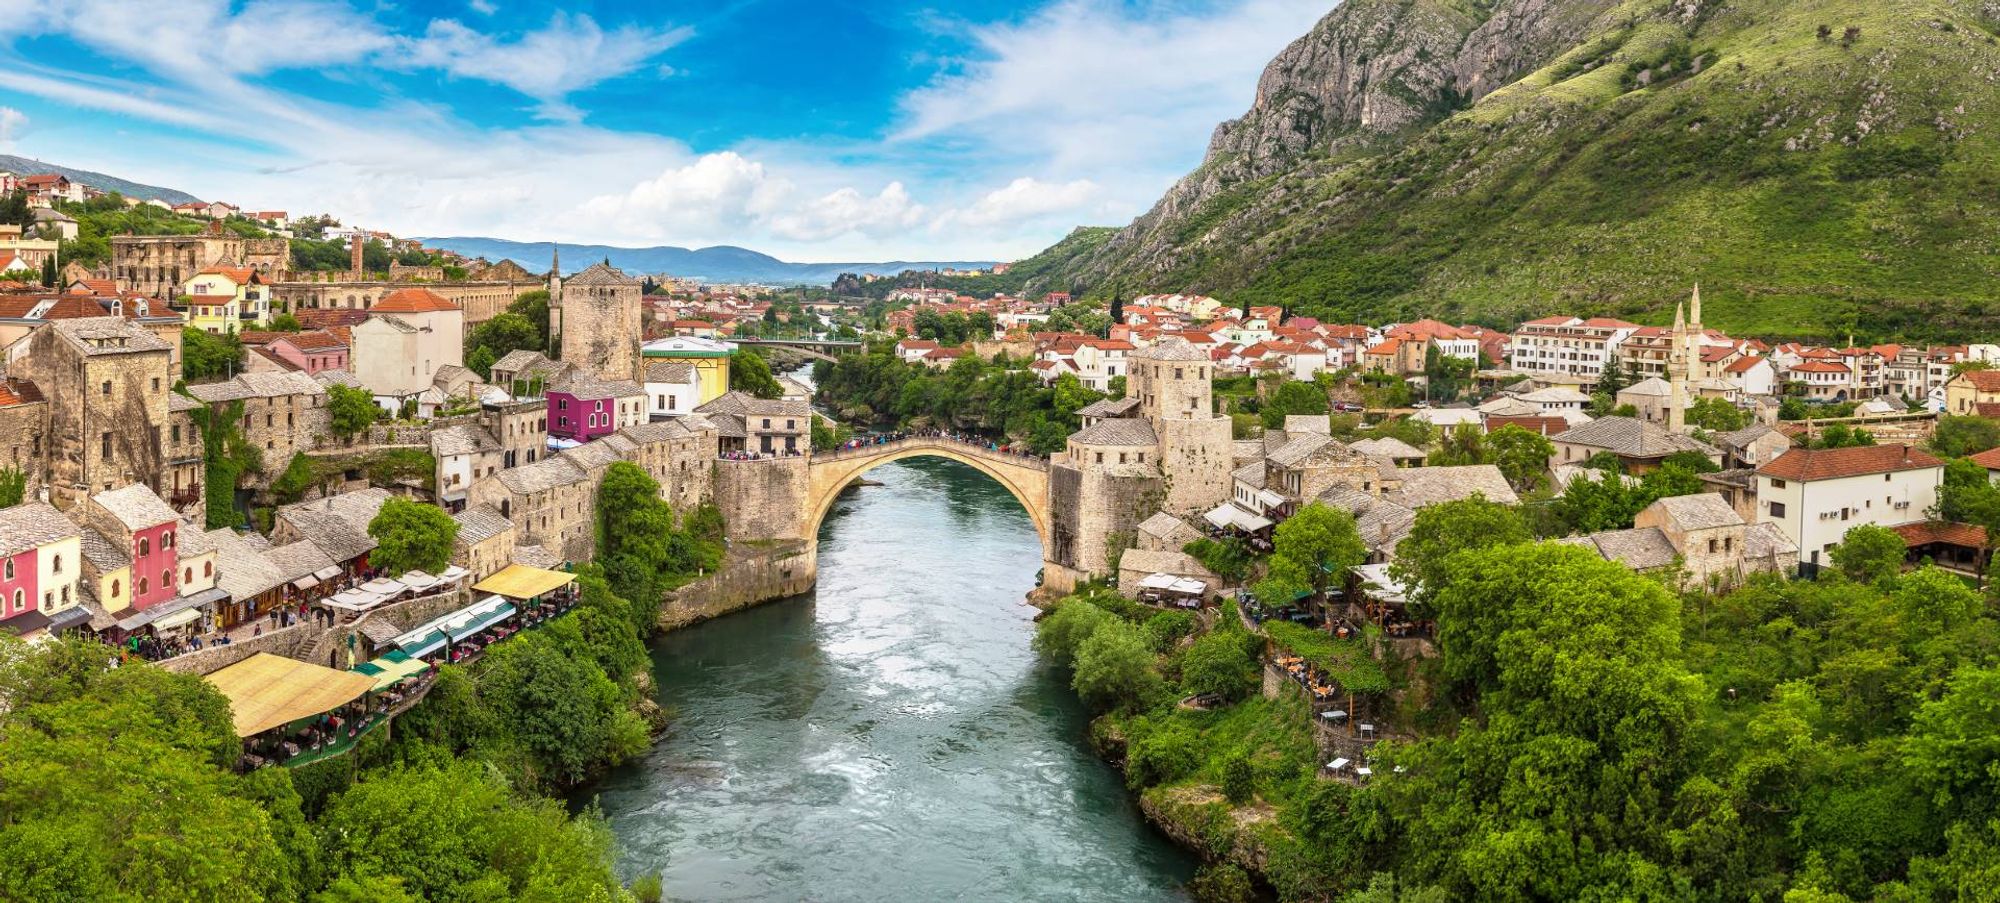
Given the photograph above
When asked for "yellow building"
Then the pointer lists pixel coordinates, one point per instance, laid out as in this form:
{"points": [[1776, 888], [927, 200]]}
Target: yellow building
{"points": [[710, 359], [223, 299]]}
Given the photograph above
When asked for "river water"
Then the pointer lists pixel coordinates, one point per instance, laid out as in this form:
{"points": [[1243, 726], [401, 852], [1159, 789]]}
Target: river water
{"points": [[890, 736]]}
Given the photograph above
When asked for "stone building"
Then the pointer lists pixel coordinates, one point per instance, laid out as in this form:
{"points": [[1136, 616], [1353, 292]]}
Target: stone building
{"points": [[550, 502], [106, 382], [1701, 535], [1171, 379], [679, 455], [283, 412], [481, 300], [600, 322], [465, 453], [185, 461], [337, 525], [24, 431], [761, 426], [485, 542], [157, 265], [521, 426], [1170, 452]]}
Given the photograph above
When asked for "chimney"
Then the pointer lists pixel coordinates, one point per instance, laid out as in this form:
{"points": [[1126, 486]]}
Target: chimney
{"points": [[1906, 454]]}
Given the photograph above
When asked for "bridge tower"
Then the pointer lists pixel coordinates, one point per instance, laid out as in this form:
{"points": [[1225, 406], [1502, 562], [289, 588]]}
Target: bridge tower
{"points": [[1172, 380]]}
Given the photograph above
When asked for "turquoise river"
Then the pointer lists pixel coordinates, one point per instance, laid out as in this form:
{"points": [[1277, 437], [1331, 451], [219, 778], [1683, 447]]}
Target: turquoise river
{"points": [[890, 736]]}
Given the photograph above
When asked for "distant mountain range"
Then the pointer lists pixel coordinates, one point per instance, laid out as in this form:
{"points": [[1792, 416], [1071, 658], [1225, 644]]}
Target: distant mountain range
{"points": [[722, 263], [100, 181]]}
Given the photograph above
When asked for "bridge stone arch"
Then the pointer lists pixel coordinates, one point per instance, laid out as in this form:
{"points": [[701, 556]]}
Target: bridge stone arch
{"points": [[1027, 478]]}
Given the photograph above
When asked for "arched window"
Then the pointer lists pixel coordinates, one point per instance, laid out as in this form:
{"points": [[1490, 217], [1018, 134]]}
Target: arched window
{"points": [[55, 565], [167, 540], [167, 578], [187, 575], [207, 568], [145, 548], [8, 570], [140, 587], [17, 601], [114, 589]]}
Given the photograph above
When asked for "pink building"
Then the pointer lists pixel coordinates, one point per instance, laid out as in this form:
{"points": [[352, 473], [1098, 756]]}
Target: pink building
{"points": [[311, 352], [39, 561], [582, 408], [144, 526]]}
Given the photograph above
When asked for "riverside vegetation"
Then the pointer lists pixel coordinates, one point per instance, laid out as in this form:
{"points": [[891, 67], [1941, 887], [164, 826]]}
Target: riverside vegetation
{"points": [[116, 783], [1585, 732]]}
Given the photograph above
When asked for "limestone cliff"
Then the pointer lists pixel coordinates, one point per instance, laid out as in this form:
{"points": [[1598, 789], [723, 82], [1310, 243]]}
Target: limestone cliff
{"points": [[1821, 166], [1370, 70]]}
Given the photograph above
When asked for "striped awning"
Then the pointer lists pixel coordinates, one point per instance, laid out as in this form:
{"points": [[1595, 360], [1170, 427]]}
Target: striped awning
{"points": [[456, 626]]}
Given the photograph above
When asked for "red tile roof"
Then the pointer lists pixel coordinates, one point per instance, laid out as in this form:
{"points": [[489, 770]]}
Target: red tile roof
{"points": [[412, 301], [1546, 426], [1743, 364], [1967, 535], [1818, 367], [1809, 464], [313, 341], [18, 391], [238, 275], [1983, 380], [1989, 459]]}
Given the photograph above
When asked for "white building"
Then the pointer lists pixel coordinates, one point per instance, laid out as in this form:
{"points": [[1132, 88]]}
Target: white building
{"points": [[1568, 345], [673, 389], [1816, 495]]}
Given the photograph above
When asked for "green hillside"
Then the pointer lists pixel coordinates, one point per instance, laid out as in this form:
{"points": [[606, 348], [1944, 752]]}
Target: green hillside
{"points": [[1819, 166]]}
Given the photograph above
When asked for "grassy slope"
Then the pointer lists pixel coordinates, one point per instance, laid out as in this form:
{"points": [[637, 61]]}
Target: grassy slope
{"points": [[1813, 188]]}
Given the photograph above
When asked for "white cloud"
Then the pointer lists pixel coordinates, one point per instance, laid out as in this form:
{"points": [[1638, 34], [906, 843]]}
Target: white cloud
{"points": [[1079, 113], [846, 210], [573, 52], [1097, 83], [1028, 198], [714, 194], [12, 123], [482, 7]]}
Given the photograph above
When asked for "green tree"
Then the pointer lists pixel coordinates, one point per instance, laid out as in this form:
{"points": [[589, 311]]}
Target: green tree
{"points": [[749, 372], [1616, 377], [206, 356], [1840, 435], [350, 411], [411, 536], [1446, 528], [1073, 621], [560, 708], [639, 546], [455, 831], [481, 361], [1868, 553], [1222, 883], [285, 322], [1312, 549], [534, 307], [1522, 456], [1239, 779], [506, 332], [1953, 747], [1221, 664], [1114, 667], [1717, 415], [13, 486], [1294, 397], [1958, 437]]}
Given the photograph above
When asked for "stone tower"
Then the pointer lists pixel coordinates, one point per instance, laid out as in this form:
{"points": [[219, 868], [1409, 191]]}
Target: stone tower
{"points": [[1681, 360], [601, 321], [1171, 379], [355, 245]]}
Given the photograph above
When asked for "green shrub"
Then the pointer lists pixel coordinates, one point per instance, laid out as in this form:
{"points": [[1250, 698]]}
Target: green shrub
{"points": [[1063, 630], [1163, 755], [1239, 780], [1169, 627], [1222, 883]]}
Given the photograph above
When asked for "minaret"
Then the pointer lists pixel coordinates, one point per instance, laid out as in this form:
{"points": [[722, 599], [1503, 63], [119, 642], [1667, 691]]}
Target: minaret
{"points": [[555, 295], [1679, 358]]}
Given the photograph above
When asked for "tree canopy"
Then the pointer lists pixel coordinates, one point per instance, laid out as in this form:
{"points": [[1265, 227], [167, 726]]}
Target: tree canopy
{"points": [[411, 536]]}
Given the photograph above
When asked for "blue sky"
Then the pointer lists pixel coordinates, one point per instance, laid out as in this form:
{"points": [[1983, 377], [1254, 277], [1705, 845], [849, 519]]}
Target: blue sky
{"points": [[829, 130]]}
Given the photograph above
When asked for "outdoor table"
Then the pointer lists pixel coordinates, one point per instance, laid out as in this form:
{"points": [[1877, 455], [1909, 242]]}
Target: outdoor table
{"points": [[1337, 764], [1335, 715], [1364, 771]]}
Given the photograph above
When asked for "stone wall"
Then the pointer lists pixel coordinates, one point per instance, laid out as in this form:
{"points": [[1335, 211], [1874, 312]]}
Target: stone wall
{"points": [[1091, 506], [754, 573], [766, 499], [306, 638], [1197, 456]]}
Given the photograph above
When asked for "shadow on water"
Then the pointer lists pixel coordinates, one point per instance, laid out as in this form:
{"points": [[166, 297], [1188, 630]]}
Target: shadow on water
{"points": [[890, 736]]}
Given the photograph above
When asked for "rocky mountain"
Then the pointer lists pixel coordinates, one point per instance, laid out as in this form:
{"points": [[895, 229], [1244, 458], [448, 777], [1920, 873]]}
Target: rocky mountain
{"points": [[1820, 166], [100, 181], [722, 263]]}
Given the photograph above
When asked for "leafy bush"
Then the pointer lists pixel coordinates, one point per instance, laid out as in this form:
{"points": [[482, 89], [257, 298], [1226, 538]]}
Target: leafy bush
{"points": [[1221, 664], [1239, 780], [1063, 630], [1114, 667], [1162, 755], [1168, 627]]}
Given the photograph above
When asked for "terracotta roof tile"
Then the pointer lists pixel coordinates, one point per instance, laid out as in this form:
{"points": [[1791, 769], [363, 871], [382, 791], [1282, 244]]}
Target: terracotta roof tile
{"points": [[412, 301], [1967, 535], [1808, 464]]}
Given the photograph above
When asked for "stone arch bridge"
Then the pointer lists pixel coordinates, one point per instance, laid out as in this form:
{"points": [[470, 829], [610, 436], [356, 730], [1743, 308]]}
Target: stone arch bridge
{"points": [[1025, 476]]}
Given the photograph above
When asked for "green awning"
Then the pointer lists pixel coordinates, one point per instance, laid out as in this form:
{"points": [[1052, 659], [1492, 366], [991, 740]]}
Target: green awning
{"points": [[392, 669], [457, 626]]}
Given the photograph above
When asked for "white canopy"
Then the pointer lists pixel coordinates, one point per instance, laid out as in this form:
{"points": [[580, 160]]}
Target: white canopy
{"points": [[1337, 764], [418, 581], [1228, 515], [1157, 581], [354, 600], [384, 587]]}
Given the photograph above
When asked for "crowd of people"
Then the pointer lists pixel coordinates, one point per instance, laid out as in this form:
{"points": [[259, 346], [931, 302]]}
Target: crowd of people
{"points": [[972, 439]]}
